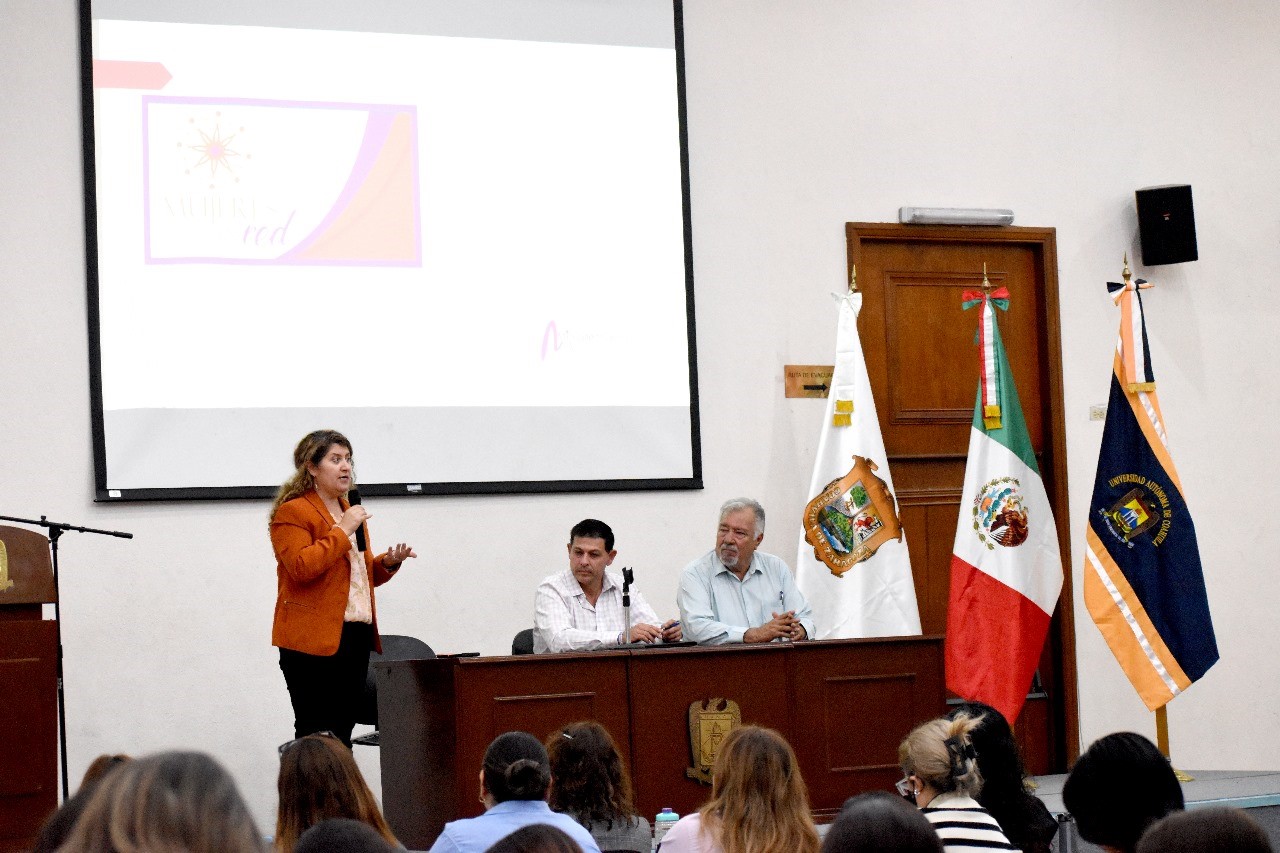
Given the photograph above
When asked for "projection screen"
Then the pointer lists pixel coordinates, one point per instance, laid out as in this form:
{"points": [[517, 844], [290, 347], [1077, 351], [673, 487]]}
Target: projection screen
{"points": [[457, 232]]}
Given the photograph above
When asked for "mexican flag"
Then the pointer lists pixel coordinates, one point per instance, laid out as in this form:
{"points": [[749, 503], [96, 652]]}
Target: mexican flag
{"points": [[1006, 569]]}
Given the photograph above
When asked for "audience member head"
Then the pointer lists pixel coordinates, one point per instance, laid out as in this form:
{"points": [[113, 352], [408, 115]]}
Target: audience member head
{"points": [[319, 779], [536, 838], [938, 758], [1119, 787], [758, 798], [1206, 830], [591, 528], [588, 780], [1004, 794], [342, 835], [999, 761], [515, 768], [59, 825], [100, 766], [171, 801], [880, 821]]}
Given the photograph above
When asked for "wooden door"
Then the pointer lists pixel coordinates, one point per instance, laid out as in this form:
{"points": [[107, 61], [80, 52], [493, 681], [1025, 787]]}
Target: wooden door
{"points": [[923, 366]]}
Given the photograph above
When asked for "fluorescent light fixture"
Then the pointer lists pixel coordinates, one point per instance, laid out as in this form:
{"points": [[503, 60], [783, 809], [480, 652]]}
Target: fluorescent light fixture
{"points": [[955, 216]]}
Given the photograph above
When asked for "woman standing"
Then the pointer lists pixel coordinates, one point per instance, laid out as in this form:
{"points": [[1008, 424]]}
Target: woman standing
{"points": [[942, 779], [325, 619], [759, 803]]}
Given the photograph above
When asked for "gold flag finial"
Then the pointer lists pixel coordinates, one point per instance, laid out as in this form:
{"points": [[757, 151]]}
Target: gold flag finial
{"points": [[986, 283], [1127, 274], [853, 278]]}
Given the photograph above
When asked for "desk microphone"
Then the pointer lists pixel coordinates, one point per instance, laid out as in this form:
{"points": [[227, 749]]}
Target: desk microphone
{"points": [[353, 498], [628, 577]]}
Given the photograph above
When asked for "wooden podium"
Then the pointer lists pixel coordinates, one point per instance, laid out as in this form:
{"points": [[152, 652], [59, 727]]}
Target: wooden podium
{"points": [[844, 705], [29, 685]]}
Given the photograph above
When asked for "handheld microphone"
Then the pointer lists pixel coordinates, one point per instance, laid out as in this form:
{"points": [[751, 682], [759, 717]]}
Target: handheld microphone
{"points": [[353, 498]]}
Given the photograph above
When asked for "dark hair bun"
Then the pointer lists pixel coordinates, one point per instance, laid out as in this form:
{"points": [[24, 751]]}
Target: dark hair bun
{"points": [[516, 768], [526, 779]]}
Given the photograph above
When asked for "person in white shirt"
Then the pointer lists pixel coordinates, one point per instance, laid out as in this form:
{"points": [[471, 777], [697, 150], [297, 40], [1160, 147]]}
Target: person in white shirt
{"points": [[580, 608], [735, 593]]}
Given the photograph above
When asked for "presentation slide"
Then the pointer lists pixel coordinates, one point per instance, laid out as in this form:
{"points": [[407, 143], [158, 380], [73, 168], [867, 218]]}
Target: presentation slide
{"points": [[462, 241]]}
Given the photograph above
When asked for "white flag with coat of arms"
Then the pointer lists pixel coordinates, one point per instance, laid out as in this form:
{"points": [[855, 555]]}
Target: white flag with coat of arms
{"points": [[876, 597]]}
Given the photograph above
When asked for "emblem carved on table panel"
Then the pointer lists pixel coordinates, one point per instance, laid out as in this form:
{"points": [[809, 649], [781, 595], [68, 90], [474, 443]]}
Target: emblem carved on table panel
{"points": [[710, 721]]}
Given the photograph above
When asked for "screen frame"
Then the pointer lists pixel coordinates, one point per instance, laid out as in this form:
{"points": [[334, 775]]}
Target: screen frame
{"points": [[102, 490]]}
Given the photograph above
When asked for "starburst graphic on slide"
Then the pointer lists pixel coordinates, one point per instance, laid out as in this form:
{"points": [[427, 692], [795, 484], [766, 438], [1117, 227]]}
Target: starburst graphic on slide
{"points": [[215, 149]]}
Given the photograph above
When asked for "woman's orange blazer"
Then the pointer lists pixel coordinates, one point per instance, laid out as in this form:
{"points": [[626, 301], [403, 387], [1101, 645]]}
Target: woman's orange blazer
{"points": [[314, 577]]}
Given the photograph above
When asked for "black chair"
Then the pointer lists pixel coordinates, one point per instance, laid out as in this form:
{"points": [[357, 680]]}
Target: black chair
{"points": [[394, 647], [523, 643]]}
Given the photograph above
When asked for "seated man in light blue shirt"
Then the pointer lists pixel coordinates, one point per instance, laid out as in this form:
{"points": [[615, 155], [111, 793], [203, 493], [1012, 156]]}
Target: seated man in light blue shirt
{"points": [[735, 594]]}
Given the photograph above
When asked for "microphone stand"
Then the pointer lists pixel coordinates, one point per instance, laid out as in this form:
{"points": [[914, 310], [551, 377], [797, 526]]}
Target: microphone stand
{"points": [[628, 577], [56, 529]]}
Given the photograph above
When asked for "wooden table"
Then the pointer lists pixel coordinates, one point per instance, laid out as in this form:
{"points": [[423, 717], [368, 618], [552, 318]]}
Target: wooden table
{"points": [[844, 705]]}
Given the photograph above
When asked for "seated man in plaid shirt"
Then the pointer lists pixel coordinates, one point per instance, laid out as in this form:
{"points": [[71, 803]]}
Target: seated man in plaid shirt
{"points": [[581, 607]]}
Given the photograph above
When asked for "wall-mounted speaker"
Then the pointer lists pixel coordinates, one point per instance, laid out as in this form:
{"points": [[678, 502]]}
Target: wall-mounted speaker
{"points": [[1166, 225]]}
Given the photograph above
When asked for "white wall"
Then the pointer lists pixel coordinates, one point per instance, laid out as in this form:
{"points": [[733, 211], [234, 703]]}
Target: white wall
{"points": [[802, 115]]}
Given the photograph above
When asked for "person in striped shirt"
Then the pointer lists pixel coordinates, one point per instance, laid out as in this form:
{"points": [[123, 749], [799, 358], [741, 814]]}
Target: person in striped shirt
{"points": [[941, 777]]}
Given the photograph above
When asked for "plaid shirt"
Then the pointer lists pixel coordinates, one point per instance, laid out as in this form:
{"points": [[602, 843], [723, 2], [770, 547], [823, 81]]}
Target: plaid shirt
{"points": [[564, 621]]}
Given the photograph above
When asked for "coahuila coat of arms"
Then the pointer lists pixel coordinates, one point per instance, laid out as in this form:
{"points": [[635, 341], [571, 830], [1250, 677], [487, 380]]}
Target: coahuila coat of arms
{"points": [[709, 722], [851, 518]]}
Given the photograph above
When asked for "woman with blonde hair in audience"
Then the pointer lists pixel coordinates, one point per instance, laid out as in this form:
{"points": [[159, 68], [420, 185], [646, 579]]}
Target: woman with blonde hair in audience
{"points": [[590, 784], [759, 802], [941, 777], [172, 801], [319, 779]]}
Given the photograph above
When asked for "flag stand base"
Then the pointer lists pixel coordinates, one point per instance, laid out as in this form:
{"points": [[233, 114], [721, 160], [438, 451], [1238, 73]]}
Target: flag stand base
{"points": [[1162, 742]]}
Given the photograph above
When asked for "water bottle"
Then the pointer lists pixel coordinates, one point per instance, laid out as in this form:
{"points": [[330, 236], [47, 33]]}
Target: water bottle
{"points": [[664, 821]]}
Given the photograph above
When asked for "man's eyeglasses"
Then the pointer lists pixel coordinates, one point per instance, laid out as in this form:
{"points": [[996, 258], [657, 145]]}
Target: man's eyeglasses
{"points": [[287, 745]]}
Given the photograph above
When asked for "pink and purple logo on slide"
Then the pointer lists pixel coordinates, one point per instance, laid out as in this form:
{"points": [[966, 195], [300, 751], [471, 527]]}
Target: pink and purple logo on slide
{"points": [[244, 181]]}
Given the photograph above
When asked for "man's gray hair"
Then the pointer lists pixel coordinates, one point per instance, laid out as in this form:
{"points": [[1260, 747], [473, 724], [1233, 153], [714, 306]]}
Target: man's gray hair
{"points": [[735, 504]]}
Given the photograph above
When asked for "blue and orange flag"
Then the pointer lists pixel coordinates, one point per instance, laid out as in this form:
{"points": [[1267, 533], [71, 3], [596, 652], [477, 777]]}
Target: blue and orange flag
{"points": [[1143, 584]]}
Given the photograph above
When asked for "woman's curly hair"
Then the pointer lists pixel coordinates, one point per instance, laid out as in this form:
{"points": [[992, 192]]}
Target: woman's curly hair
{"points": [[588, 779]]}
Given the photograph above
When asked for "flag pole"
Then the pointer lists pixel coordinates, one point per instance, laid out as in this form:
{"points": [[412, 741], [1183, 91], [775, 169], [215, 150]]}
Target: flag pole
{"points": [[1162, 713], [1162, 730], [1162, 742]]}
